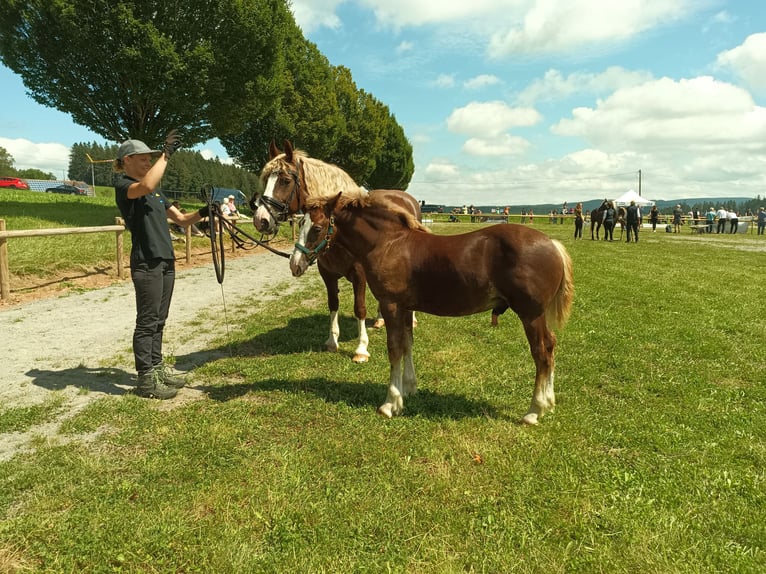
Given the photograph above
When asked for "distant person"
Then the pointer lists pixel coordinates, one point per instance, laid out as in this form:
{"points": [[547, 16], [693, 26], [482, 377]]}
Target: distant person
{"points": [[654, 217], [733, 222], [632, 215], [608, 221], [146, 210], [710, 219], [722, 215], [578, 221], [761, 220], [677, 218], [229, 208]]}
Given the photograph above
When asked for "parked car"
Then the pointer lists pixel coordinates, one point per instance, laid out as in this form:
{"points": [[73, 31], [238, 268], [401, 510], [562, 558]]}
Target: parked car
{"points": [[13, 183], [64, 188]]}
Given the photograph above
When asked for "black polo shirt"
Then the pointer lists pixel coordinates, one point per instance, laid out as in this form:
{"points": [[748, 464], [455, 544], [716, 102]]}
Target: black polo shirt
{"points": [[147, 221]]}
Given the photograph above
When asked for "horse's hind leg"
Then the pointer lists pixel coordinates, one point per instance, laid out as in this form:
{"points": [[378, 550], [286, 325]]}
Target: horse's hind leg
{"points": [[399, 343], [542, 344]]}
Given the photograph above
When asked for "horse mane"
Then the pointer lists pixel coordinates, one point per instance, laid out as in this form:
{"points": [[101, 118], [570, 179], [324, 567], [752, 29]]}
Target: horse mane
{"points": [[321, 179], [360, 198]]}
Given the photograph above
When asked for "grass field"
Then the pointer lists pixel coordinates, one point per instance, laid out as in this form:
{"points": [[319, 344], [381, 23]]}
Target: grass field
{"points": [[654, 461]]}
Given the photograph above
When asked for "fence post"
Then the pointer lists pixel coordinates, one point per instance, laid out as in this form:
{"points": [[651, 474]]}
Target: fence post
{"points": [[120, 241], [5, 274], [188, 242]]}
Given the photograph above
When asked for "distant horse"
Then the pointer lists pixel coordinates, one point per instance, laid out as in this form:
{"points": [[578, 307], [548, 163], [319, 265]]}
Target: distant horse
{"points": [[409, 268], [289, 178], [595, 218]]}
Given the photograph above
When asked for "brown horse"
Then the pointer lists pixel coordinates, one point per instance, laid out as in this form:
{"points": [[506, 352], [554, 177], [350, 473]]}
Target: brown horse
{"points": [[289, 178], [595, 218], [409, 268]]}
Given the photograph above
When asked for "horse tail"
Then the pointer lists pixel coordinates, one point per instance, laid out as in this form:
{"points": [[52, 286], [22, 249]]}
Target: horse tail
{"points": [[557, 313]]}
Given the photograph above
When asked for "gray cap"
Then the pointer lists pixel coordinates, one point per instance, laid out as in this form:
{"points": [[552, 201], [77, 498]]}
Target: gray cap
{"points": [[134, 147]]}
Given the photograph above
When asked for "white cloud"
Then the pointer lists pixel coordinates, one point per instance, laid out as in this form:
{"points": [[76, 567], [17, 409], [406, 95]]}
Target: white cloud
{"points": [[685, 115], [505, 144], [313, 14], [748, 61], [208, 153], [481, 81], [554, 86], [557, 26], [404, 46], [441, 169], [482, 119], [445, 81], [48, 157]]}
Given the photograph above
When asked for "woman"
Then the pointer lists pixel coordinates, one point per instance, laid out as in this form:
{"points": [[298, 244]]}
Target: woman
{"points": [[578, 221], [146, 210], [654, 216]]}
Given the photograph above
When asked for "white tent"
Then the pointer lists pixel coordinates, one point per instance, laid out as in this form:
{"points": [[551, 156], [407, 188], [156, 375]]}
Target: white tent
{"points": [[631, 195]]}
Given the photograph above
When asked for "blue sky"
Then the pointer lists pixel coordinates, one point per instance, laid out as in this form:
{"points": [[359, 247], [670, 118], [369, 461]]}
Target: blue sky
{"points": [[529, 101]]}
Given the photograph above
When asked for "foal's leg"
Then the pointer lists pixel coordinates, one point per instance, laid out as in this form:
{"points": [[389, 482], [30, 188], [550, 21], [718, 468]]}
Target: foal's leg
{"points": [[331, 284], [409, 380], [542, 343], [395, 335], [359, 282], [380, 322]]}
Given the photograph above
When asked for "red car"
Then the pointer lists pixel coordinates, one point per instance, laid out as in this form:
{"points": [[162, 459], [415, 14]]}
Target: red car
{"points": [[13, 183]]}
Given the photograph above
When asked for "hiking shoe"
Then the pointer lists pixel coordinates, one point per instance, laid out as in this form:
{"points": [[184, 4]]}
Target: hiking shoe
{"points": [[150, 386], [168, 377]]}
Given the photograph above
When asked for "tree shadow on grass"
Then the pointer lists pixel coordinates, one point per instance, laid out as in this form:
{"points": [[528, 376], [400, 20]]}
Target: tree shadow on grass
{"points": [[107, 381], [366, 395]]}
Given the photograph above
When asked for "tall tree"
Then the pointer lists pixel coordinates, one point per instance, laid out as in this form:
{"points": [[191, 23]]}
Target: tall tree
{"points": [[394, 165], [139, 68]]}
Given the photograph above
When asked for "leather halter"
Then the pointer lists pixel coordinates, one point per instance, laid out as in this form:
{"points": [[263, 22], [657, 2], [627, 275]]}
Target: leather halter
{"points": [[313, 254], [277, 209]]}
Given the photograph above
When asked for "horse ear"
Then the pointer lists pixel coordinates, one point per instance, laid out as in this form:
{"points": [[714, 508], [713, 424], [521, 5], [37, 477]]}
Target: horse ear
{"points": [[332, 204], [288, 151], [273, 151]]}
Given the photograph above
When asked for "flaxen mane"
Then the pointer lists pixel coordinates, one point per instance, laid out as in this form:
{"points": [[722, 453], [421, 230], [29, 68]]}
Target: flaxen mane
{"points": [[320, 178]]}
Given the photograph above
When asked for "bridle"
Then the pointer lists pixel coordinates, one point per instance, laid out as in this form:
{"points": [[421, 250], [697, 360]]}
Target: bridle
{"points": [[278, 210], [313, 254]]}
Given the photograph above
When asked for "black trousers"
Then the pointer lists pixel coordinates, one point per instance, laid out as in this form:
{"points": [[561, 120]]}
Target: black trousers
{"points": [[608, 230], [153, 282], [721, 226], [632, 228], [578, 228]]}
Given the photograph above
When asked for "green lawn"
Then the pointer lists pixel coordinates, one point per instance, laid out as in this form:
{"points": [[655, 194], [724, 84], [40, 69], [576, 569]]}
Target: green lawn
{"points": [[654, 461]]}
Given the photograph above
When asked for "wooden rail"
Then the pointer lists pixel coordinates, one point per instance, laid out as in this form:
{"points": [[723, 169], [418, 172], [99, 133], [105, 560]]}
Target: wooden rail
{"points": [[5, 276]]}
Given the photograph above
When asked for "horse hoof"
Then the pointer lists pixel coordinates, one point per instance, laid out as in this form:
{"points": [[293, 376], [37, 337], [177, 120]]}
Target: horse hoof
{"points": [[530, 419], [359, 358], [385, 411], [379, 324]]}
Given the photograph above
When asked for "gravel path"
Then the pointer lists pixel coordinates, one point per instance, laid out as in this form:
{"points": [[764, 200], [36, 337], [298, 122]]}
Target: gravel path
{"points": [[77, 348]]}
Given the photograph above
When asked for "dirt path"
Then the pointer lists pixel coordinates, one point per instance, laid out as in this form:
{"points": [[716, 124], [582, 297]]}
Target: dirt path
{"points": [[77, 348]]}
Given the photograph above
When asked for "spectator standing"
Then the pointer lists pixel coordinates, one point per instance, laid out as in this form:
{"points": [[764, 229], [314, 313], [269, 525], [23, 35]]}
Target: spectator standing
{"points": [[654, 216], [710, 219], [733, 222], [761, 218], [578, 221], [722, 215], [632, 215], [146, 210], [677, 214]]}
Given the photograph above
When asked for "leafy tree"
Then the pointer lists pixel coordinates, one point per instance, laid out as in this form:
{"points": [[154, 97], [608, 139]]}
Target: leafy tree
{"points": [[34, 173], [139, 68], [394, 165], [6, 163]]}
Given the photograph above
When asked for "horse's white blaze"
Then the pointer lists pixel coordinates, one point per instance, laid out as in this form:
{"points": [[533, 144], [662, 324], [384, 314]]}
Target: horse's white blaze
{"points": [[298, 260], [262, 214]]}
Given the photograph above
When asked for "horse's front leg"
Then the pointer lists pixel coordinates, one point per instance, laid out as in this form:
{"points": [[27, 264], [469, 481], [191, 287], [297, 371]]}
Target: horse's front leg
{"points": [[398, 347], [542, 344], [409, 380], [331, 284], [359, 282]]}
